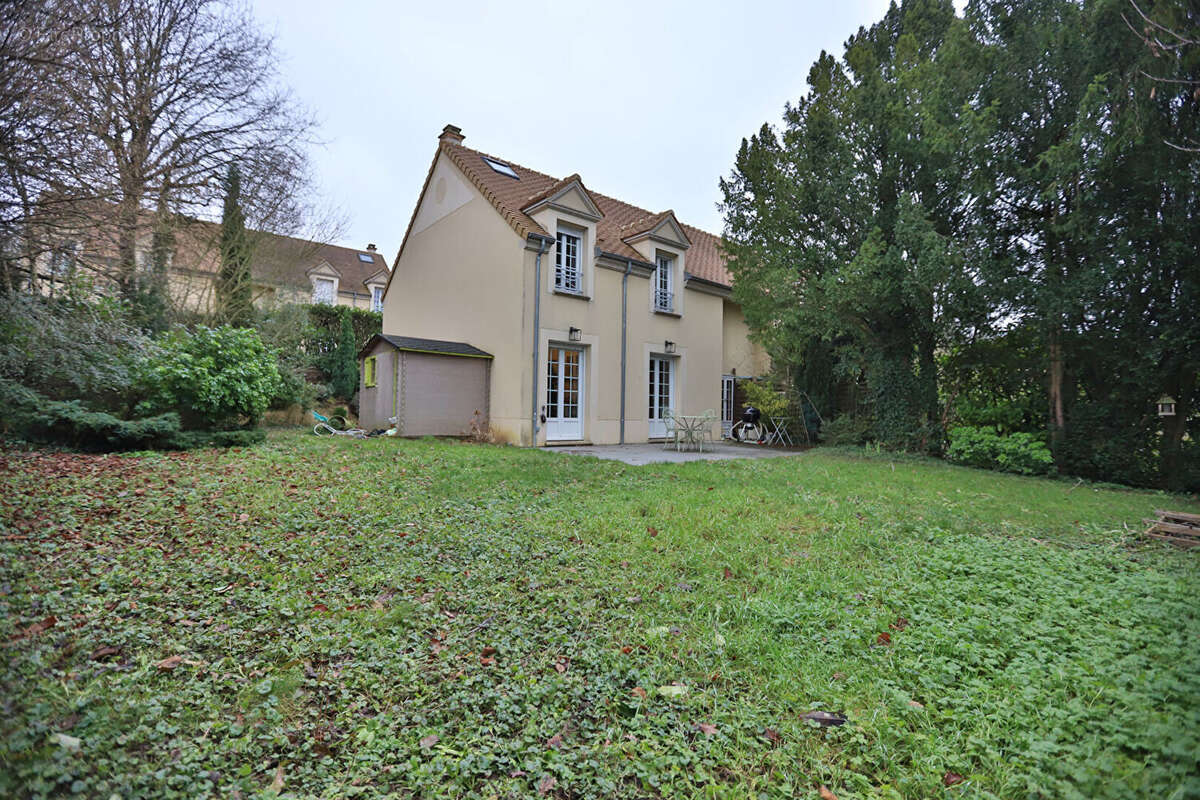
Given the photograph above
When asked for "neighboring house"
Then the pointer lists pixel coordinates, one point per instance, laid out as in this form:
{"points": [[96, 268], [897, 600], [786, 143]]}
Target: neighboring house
{"points": [[284, 269], [595, 316]]}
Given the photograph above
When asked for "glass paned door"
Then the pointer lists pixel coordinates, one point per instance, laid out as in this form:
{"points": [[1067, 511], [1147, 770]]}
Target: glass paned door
{"points": [[661, 396], [564, 394], [726, 405]]}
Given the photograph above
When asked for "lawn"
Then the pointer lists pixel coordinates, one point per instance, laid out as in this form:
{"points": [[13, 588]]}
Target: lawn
{"points": [[321, 618]]}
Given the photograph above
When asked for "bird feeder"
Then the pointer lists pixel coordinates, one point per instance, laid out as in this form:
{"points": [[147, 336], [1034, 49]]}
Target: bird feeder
{"points": [[1166, 406]]}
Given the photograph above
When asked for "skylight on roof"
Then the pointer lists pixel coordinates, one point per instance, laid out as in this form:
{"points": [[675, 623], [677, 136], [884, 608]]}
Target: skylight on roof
{"points": [[501, 167], [366, 258]]}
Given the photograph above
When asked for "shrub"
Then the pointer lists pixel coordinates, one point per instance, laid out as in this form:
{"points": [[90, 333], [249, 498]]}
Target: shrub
{"points": [[190, 440], [765, 398], [1018, 452], [214, 377], [66, 349], [68, 423], [847, 429]]}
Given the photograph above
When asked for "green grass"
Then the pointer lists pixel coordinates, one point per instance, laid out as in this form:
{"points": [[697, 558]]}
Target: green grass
{"points": [[427, 619]]}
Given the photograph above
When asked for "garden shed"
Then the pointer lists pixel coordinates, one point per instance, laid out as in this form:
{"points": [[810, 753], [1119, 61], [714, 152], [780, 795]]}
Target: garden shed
{"points": [[432, 387]]}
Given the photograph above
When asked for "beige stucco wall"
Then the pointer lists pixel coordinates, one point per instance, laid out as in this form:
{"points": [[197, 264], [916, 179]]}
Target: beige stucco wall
{"points": [[465, 275], [459, 279], [740, 356], [696, 333]]}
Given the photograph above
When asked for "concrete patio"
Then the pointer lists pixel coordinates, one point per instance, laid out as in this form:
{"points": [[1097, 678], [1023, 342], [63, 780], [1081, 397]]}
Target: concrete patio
{"points": [[648, 453]]}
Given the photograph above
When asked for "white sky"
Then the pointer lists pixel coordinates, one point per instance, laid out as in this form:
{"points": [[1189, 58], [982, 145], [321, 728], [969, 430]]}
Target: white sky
{"points": [[647, 101]]}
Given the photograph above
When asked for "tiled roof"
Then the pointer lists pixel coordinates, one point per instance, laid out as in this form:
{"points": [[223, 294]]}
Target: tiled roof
{"points": [[416, 345], [290, 259], [620, 221]]}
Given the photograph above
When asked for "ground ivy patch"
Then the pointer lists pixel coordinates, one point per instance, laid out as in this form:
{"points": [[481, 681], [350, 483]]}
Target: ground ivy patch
{"points": [[428, 619]]}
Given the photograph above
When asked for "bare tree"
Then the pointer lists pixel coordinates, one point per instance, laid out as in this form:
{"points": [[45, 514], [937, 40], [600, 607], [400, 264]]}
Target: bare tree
{"points": [[155, 99], [46, 163]]}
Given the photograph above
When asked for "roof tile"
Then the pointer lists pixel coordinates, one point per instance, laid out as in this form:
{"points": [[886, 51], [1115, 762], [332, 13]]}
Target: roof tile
{"points": [[621, 220]]}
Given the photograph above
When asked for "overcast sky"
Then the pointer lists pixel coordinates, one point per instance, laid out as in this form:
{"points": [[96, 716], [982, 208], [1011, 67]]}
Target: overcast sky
{"points": [[647, 101]]}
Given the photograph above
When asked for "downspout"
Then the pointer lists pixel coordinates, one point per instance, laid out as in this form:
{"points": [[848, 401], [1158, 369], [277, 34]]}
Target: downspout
{"points": [[543, 242], [624, 335]]}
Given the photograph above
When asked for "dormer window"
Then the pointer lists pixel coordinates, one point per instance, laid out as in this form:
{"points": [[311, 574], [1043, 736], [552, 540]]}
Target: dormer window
{"points": [[323, 291], [567, 266], [664, 284], [377, 298]]}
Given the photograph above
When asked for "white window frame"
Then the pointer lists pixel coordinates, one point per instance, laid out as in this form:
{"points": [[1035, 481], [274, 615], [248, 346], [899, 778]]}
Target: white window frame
{"points": [[568, 278], [63, 259], [377, 298], [318, 281], [664, 283]]}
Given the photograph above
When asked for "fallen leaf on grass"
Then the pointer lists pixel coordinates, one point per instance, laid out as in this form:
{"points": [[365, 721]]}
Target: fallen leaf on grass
{"points": [[826, 794], [104, 652], [773, 736], [428, 741], [277, 784], [673, 690], [824, 718], [728, 573], [546, 784], [952, 779], [554, 741], [37, 627], [561, 665], [639, 692], [915, 704], [170, 663], [653, 531], [900, 624], [707, 728], [245, 518], [884, 639]]}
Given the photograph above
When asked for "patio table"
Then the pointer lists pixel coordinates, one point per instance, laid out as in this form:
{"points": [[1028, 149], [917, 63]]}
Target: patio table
{"points": [[690, 429]]}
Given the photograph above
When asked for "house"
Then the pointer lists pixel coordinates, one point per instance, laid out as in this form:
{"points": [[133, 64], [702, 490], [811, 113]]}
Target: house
{"points": [[597, 316], [284, 269]]}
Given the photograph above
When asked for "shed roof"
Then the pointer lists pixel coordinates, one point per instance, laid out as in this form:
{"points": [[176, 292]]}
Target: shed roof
{"points": [[413, 344]]}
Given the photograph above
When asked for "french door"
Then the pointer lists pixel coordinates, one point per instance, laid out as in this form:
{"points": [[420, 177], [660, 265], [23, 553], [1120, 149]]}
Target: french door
{"points": [[661, 396], [727, 405], [564, 394]]}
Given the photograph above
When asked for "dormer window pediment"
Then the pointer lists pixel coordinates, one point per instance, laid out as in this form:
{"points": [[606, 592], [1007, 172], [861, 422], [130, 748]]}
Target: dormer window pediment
{"points": [[569, 196]]}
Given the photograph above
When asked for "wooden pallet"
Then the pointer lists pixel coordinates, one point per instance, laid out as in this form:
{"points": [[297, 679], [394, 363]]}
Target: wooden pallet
{"points": [[1176, 527]]}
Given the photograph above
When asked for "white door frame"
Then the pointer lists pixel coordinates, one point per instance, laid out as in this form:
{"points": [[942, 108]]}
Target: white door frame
{"points": [[559, 368], [654, 392], [728, 387]]}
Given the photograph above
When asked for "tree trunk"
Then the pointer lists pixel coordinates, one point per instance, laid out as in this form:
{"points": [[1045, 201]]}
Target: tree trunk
{"points": [[1055, 389], [127, 230]]}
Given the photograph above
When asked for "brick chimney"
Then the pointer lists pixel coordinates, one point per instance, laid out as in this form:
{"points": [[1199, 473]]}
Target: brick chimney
{"points": [[371, 247], [453, 134]]}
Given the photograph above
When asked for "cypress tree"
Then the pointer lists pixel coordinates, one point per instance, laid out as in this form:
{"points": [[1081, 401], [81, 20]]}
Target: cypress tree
{"points": [[234, 304], [345, 368]]}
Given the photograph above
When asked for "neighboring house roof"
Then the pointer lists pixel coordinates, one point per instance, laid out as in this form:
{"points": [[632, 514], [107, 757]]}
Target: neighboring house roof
{"points": [[619, 220], [276, 259], [286, 259], [413, 344]]}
